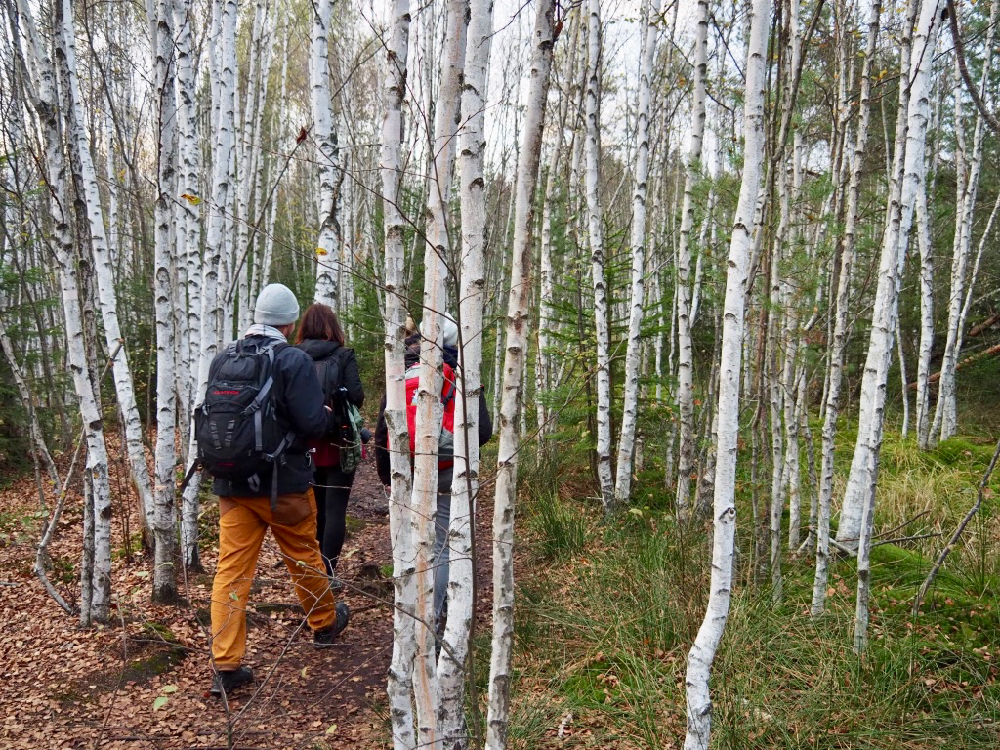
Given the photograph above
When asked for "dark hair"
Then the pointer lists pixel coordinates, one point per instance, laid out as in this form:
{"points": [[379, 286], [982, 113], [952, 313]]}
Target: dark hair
{"points": [[320, 322]]}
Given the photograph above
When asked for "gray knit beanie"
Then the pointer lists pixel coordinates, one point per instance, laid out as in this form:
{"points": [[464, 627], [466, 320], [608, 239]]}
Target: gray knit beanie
{"points": [[276, 306]]}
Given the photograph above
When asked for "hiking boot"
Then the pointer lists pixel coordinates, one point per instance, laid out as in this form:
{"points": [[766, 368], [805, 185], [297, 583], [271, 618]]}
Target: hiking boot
{"points": [[227, 681], [326, 636]]}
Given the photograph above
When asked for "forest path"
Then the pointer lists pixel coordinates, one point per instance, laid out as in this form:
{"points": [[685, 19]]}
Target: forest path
{"points": [[142, 682]]}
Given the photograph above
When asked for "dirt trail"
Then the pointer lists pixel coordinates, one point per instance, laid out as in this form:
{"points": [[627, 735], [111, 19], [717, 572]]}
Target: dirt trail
{"points": [[142, 681]]}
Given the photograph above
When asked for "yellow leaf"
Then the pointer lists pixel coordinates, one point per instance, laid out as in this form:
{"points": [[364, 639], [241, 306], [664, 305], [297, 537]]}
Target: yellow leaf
{"points": [[194, 200], [321, 251], [331, 729], [121, 175]]}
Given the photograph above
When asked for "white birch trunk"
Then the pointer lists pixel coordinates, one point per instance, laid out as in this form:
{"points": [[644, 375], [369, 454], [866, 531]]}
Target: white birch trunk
{"points": [[595, 222], [946, 415], [518, 315], [100, 573], [105, 282], [164, 580], [453, 660], [864, 470], [630, 405], [899, 215], [685, 357], [429, 407], [404, 628], [327, 246], [831, 408], [926, 347], [702, 654]]}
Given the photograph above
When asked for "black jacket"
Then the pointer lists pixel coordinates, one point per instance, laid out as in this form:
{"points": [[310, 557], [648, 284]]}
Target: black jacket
{"points": [[299, 402], [382, 428], [318, 350]]}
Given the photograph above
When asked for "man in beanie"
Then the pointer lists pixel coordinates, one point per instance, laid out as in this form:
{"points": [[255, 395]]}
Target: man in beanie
{"points": [[286, 506]]}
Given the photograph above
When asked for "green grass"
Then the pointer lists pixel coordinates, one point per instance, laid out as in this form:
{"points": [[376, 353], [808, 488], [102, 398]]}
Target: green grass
{"points": [[607, 611]]}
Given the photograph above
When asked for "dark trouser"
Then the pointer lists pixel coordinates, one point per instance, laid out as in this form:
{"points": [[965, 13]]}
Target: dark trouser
{"points": [[333, 490]]}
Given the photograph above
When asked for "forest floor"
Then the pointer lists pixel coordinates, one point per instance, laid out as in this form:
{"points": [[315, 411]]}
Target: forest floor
{"points": [[142, 681]]}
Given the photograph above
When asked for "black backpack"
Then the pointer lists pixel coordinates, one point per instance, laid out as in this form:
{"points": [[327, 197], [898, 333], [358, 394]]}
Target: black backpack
{"points": [[330, 374], [240, 436]]}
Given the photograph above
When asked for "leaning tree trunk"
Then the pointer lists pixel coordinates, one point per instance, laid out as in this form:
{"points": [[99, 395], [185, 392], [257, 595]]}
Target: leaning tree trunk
{"points": [[404, 644], [630, 401], [121, 371], [99, 501], [327, 246], [702, 654], [518, 315], [864, 479], [595, 220], [876, 370]]}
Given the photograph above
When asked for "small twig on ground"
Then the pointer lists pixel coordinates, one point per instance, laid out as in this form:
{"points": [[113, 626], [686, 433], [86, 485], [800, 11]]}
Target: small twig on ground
{"points": [[983, 492], [902, 525]]}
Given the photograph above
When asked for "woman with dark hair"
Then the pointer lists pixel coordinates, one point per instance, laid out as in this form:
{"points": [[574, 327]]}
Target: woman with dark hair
{"points": [[322, 338]]}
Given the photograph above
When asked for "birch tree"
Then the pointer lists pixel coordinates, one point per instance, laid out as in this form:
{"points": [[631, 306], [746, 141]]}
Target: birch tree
{"points": [[404, 633], [595, 225], [685, 363], [702, 654], [831, 404], [429, 406], [630, 400], [864, 473], [498, 716], [327, 246], [453, 661]]}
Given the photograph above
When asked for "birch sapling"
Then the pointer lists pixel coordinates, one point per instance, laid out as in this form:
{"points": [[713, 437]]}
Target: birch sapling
{"points": [[630, 405], [518, 315], [702, 654]]}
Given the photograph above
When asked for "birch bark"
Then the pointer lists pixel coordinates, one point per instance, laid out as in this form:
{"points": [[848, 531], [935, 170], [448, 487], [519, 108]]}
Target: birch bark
{"points": [[595, 221], [164, 580], [899, 216], [630, 405], [702, 654], [437, 252], [864, 470], [685, 361], [404, 643], [831, 408], [105, 277], [327, 246], [454, 658], [518, 314]]}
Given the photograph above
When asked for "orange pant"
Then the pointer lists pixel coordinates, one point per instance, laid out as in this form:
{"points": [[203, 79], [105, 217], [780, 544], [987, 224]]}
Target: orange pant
{"points": [[242, 524]]}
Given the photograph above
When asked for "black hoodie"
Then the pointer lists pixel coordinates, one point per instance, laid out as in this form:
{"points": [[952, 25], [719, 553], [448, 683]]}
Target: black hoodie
{"points": [[320, 350]]}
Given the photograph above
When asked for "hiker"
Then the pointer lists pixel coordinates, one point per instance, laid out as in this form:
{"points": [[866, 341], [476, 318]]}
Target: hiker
{"points": [[322, 338], [445, 458], [264, 397]]}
